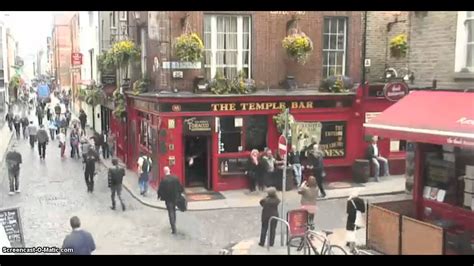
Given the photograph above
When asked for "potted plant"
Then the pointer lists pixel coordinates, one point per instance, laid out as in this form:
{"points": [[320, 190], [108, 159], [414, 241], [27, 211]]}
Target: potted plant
{"points": [[140, 86], [189, 47], [119, 103], [399, 46], [123, 53], [94, 95], [279, 120], [298, 46]]}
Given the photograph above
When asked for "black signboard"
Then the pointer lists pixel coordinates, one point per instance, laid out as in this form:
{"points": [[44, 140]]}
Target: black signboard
{"points": [[197, 125], [10, 219], [333, 139], [108, 80], [254, 106]]}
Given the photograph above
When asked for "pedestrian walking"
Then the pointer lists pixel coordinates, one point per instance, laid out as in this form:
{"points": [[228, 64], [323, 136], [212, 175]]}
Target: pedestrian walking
{"points": [[316, 164], [85, 146], [116, 174], [309, 194], [9, 119], [354, 208], [79, 241], [254, 171], [144, 168], [74, 142], [13, 160], [40, 114], [62, 142], [83, 120], [52, 128], [17, 125], [270, 208], [105, 145], [68, 115], [24, 124], [111, 143], [294, 158], [89, 160], [169, 191], [269, 167], [32, 131], [98, 140], [43, 140], [57, 109], [48, 112]]}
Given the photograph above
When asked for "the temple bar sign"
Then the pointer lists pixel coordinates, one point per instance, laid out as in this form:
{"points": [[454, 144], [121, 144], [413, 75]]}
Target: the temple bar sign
{"points": [[261, 106]]}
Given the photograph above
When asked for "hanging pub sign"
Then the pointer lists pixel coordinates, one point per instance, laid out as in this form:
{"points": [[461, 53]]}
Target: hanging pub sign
{"points": [[394, 91], [76, 59], [330, 135], [197, 125]]}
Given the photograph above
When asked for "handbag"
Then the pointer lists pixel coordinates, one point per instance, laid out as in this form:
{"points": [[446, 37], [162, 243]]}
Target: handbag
{"points": [[359, 221], [181, 203]]}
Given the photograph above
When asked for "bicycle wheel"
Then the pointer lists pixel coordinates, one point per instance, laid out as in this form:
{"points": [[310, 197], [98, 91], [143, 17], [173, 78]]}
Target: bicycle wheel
{"points": [[335, 250]]}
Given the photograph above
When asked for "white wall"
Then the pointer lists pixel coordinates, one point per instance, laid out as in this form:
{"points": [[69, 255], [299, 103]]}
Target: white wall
{"points": [[89, 39]]}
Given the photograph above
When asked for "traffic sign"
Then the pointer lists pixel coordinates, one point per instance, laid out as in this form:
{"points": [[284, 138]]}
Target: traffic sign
{"points": [[282, 146]]}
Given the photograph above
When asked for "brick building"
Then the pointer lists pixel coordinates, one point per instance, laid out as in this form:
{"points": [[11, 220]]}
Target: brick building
{"points": [[61, 43], [442, 49]]}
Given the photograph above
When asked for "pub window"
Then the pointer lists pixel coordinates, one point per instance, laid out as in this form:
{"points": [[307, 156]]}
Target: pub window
{"points": [[256, 132], [145, 133], [334, 49], [397, 145], [230, 134], [227, 45]]}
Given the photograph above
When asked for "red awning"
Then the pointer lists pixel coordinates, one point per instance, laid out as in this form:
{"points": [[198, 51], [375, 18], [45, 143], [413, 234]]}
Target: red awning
{"points": [[437, 117]]}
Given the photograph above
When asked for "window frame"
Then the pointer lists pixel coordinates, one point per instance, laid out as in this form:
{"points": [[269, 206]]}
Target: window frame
{"points": [[240, 50], [462, 43], [345, 48], [243, 133]]}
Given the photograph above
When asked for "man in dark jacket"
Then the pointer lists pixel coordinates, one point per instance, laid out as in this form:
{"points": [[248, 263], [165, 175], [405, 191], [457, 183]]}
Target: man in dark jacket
{"points": [[89, 160], [315, 159], [17, 125], [80, 241], [9, 119], [43, 140], [40, 114], [83, 119], [373, 155], [13, 160], [270, 208], [24, 124], [169, 191], [116, 175]]}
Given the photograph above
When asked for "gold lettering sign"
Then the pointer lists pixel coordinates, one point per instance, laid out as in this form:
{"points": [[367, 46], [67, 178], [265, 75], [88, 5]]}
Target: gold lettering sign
{"points": [[259, 106], [197, 124]]}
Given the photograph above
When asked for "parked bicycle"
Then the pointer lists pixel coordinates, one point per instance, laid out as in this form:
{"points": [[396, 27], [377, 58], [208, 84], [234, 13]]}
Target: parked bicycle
{"points": [[307, 244]]}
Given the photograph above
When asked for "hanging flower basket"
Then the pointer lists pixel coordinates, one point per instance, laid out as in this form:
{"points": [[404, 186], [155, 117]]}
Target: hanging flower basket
{"points": [[189, 47], [123, 53], [94, 95], [279, 120], [119, 103], [399, 46], [298, 46]]}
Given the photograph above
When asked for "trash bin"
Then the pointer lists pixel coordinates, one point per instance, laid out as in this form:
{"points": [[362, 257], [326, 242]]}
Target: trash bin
{"points": [[361, 171]]}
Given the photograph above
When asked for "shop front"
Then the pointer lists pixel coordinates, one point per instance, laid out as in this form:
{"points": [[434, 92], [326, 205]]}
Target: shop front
{"points": [[440, 125], [206, 139]]}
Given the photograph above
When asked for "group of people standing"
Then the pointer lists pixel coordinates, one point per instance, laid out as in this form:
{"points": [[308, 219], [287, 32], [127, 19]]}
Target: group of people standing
{"points": [[264, 170]]}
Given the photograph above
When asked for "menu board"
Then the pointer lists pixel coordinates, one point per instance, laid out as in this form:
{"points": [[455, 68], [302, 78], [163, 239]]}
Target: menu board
{"points": [[331, 136], [10, 219]]}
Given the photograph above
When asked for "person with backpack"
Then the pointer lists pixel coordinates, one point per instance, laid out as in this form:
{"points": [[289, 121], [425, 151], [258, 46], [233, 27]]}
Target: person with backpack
{"points": [[89, 171], [13, 160], [144, 168], [116, 174]]}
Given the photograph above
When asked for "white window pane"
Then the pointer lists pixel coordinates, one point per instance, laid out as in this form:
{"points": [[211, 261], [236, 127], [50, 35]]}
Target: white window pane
{"points": [[339, 70], [220, 41], [470, 55], [332, 58], [231, 41], [333, 27], [246, 41], [326, 41], [230, 72], [325, 72], [220, 24], [332, 42], [246, 23], [339, 58], [246, 72], [332, 71], [207, 57], [325, 58], [232, 24], [207, 23], [245, 58], [219, 58], [326, 25], [220, 71], [208, 73], [340, 42], [230, 58], [470, 30], [207, 40]]}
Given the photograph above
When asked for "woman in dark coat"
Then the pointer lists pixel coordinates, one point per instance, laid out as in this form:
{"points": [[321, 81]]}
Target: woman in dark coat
{"points": [[354, 204], [254, 172], [270, 208]]}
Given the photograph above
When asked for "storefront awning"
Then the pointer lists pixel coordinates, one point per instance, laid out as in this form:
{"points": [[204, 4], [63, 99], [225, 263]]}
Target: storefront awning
{"points": [[437, 117]]}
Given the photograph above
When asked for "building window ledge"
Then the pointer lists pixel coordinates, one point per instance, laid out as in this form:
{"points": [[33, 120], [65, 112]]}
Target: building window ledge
{"points": [[464, 76]]}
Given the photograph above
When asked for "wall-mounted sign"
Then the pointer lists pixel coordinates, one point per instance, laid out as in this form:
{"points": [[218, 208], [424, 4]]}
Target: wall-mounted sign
{"points": [[181, 65], [171, 123], [254, 106], [197, 125], [394, 91], [371, 115], [76, 59], [108, 79], [331, 137]]}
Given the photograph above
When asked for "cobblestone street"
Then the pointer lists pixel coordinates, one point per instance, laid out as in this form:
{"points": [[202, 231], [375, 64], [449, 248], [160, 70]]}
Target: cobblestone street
{"points": [[54, 190]]}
